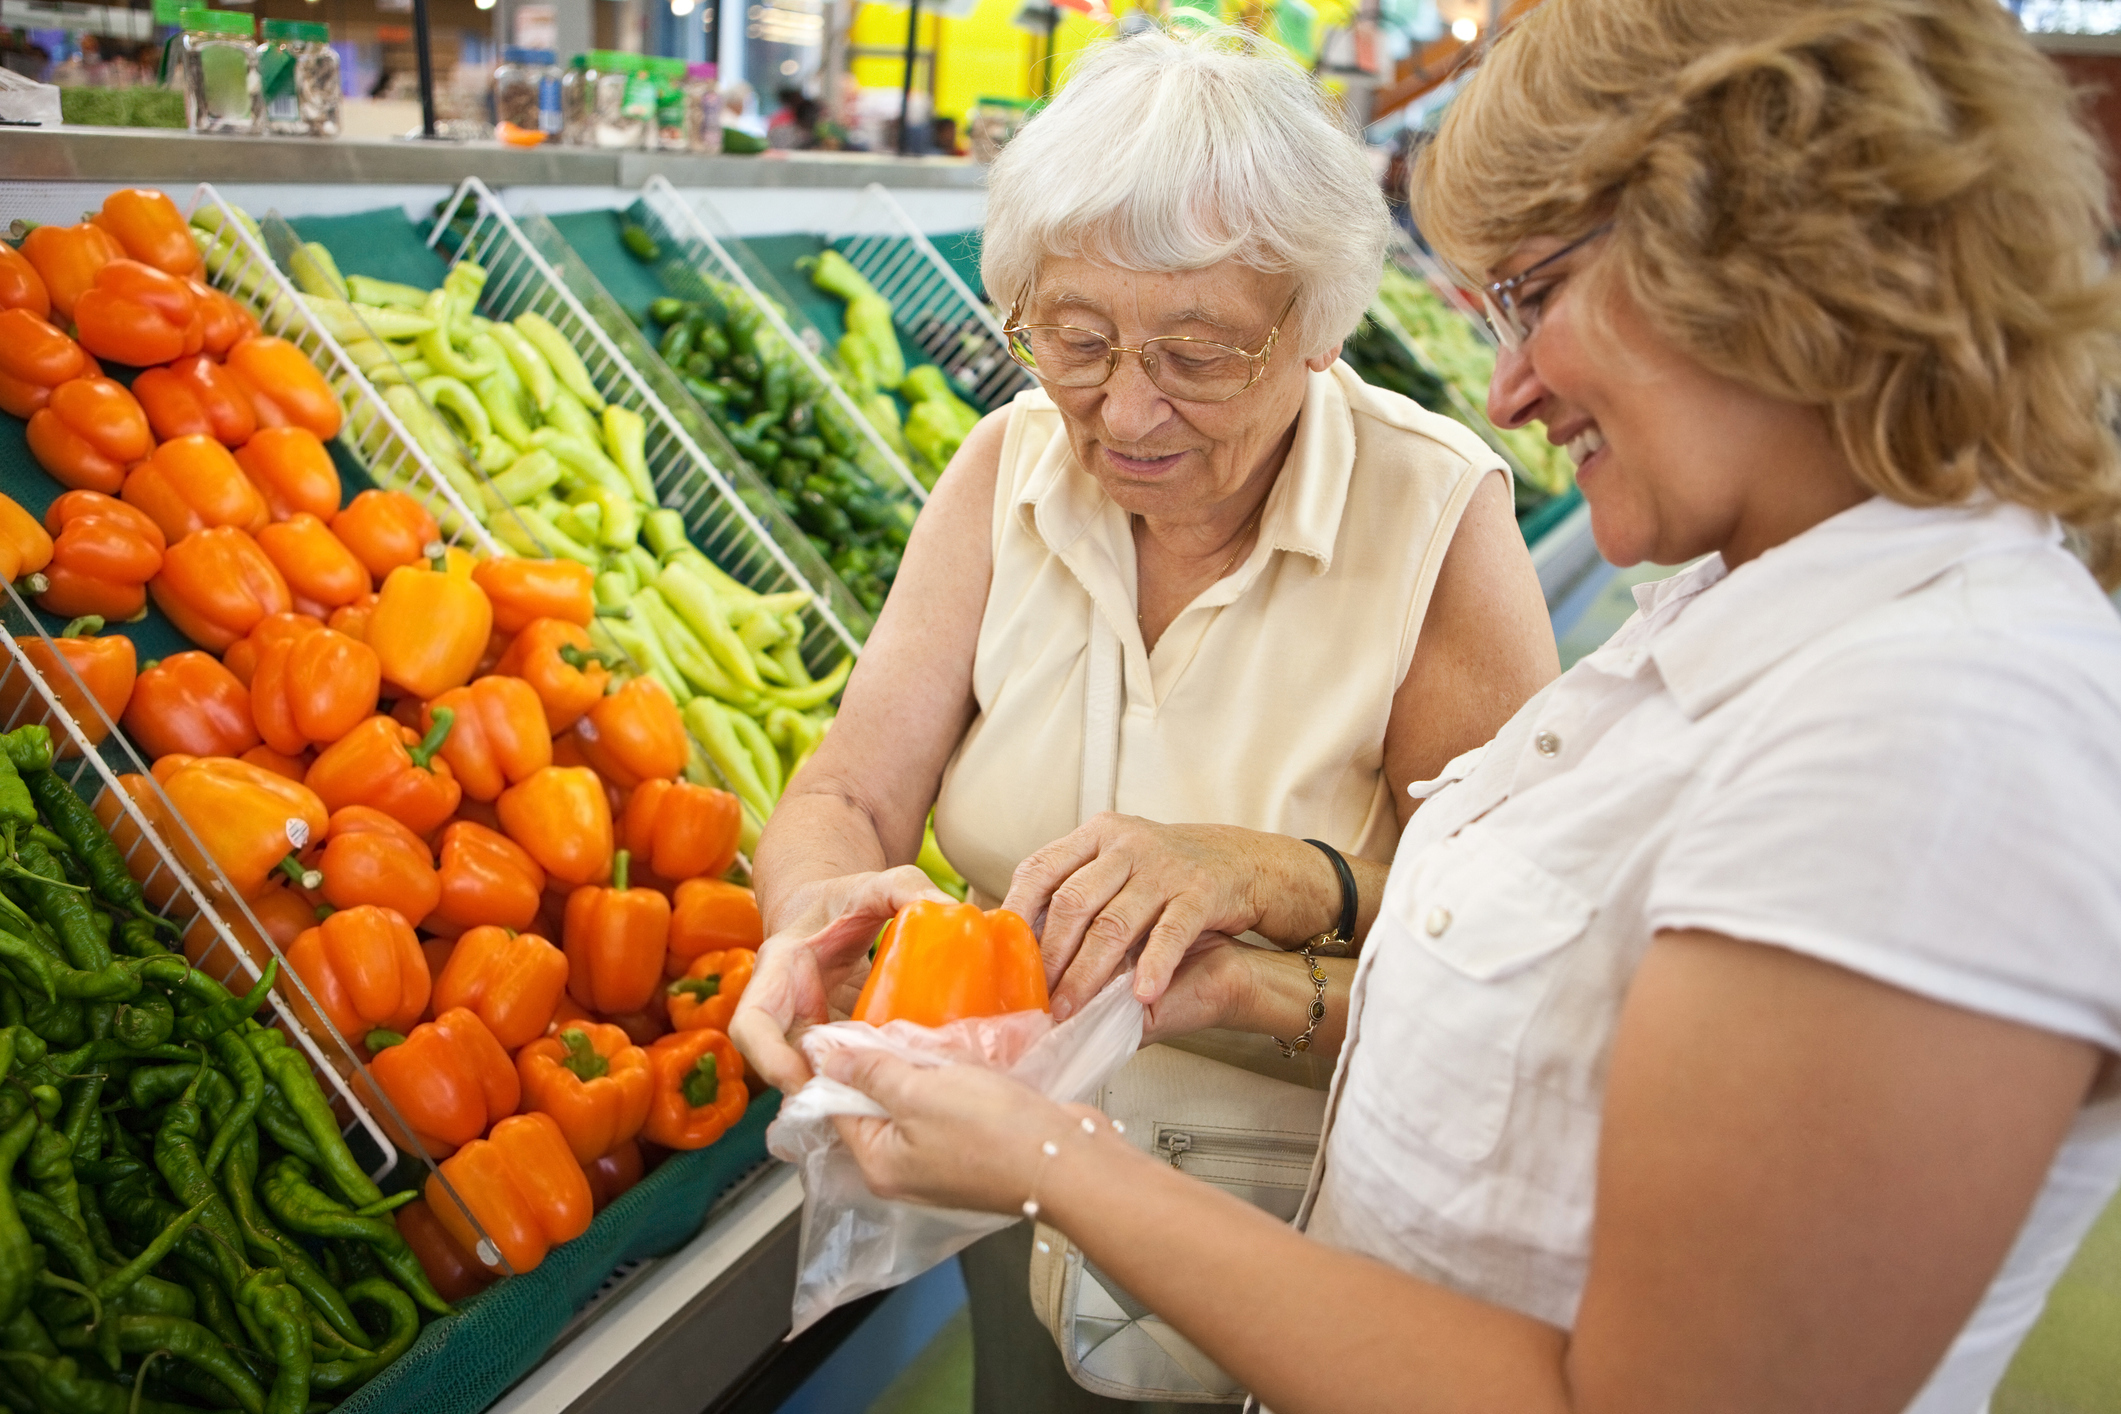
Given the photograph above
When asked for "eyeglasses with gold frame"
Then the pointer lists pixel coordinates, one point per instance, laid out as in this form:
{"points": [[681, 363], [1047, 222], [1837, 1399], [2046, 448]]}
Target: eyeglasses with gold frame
{"points": [[1188, 369]]}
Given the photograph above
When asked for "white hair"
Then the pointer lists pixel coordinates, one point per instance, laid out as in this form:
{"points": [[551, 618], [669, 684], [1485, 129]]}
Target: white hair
{"points": [[1169, 151]]}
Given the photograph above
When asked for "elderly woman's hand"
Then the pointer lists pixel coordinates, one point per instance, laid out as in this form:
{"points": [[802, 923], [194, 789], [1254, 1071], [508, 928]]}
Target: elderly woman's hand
{"points": [[802, 976]]}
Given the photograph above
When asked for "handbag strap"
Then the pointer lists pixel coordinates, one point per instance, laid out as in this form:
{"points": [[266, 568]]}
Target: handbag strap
{"points": [[1103, 693]]}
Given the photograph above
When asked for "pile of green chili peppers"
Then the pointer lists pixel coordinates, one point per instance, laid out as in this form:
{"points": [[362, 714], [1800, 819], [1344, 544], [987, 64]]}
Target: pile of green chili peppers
{"points": [[182, 1225]]}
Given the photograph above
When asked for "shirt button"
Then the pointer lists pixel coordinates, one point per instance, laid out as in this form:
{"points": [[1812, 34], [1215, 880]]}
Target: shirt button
{"points": [[1547, 744], [1438, 920]]}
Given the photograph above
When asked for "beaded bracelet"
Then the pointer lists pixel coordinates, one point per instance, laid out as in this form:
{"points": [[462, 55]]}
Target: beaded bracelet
{"points": [[1046, 1152]]}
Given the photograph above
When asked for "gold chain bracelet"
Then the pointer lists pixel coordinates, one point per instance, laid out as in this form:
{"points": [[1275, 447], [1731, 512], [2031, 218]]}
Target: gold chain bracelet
{"points": [[1289, 1049]]}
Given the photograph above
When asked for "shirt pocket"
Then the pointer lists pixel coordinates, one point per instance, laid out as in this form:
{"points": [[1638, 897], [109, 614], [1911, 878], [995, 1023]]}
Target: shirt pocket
{"points": [[1481, 932]]}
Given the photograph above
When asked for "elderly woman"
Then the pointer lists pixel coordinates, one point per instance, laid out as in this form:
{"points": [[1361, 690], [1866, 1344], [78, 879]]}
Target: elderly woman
{"points": [[1739, 1029], [1202, 573]]}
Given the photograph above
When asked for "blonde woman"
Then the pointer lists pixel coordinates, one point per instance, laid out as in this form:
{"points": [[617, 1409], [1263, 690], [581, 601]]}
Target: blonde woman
{"points": [[1738, 1032]]}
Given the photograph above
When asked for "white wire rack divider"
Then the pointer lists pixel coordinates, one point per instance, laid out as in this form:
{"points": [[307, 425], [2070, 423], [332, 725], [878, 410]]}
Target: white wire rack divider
{"points": [[930, 302], [691, 228], [729, 513]]}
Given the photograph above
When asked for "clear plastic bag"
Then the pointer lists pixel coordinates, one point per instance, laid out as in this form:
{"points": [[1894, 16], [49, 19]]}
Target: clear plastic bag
{"points": [[855, 1242]]}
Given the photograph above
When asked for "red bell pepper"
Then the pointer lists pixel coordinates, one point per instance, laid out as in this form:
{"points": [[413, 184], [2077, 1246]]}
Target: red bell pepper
{"points": [[449, 1079], [560, 816], [499, 736], [217, 585], [610, 1176], [191, 705], [389, 766], [89, 432], [285, 386], [680, 830], [293, 471], [21, 287], [135, 314], [365, 970], [699, 1089], [35, 358], [191, 484], [150, 228], [67, 258], [450, 1268], [320, 571], [313, 689], [522, 1185], [634, 735], [103, 554], [511, 980], [487, 878], [196, 396]]}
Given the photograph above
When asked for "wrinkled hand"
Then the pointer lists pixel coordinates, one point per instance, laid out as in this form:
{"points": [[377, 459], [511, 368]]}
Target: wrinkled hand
{"points": [[1119, 881], [1209, 989], [958, 1136], [800, 979]]}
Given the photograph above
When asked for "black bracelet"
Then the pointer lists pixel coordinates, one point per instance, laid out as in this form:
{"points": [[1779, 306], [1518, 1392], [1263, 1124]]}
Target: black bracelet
{"points": [[1348, 897]]}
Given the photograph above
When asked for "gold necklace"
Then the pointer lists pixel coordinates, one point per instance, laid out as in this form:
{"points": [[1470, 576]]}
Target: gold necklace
{"points": [[1244, 534]]}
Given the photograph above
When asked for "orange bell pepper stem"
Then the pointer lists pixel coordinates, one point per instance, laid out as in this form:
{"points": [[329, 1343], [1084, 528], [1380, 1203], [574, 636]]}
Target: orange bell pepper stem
{"points": [[104, 665], [594, 1082], [196, 396], [88, 433], [487, 878], [683, 831], [192, 484], [35, 358], [293, 471], [710, 916], [511, 980], [499, 738], [26, 547], [610, 1176], [615, 943], [524, 591], [150, 228], [523, 1187], [242, 656], [388, 765], [313, 690], [634, 735], [706, 996], [945, 962], [189, 703], [699, 1089], [449, 1078], [135, 314], [365, 970], [67, 259], [222, 325], [278, 373], [320, 571], [103, 554], [217, 585], [250, 821], [561, 665], [451, 1269], [561, 818], [429, 629], [21, 287], [386, 529]]}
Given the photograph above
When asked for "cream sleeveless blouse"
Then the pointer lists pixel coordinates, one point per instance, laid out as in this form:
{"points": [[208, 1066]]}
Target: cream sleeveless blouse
{"points": [[1264, 704]]}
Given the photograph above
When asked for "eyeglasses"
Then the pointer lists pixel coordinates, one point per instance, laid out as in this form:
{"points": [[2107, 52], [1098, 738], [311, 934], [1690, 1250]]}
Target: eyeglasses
{"points": [[1191, 370], [1514, 314]]}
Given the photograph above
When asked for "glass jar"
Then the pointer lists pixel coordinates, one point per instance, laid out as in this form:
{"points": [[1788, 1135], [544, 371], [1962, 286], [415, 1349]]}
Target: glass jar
{"points": [[519, 84], [669, 78], [703, 109], [317, 80], [578, 103], [298, 79], [625, 101], [220, 66]]}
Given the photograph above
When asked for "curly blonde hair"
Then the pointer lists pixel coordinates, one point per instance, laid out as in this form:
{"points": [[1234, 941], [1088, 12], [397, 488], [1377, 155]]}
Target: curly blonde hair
{"points": [[1888, 209]]}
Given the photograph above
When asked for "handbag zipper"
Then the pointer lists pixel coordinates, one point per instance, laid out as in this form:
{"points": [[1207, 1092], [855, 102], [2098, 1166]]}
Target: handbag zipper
{"points": [[1175, 1144]]}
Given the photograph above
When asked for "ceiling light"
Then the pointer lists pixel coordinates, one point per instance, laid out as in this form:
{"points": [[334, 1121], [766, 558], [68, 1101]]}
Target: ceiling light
{"points": [[1465, 29]]}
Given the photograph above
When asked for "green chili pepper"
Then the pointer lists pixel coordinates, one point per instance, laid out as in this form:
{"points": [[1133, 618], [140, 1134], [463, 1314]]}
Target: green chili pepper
{"points": [[177, 1160], [51, 1171], [279, 1311], [639, 244], [384, 293], [249, 1079], [146, 1020], [60, 1234], [274, 1248], [18, 1262], [277, 1119], [216, 1310], [676, 343], [500, 393], [17, 810], [196, 1346], [287, 1070], [816, 694], [529, 364], [435, 344], [83, 1121], [117, 1283], [626, 438], [62, 1388], [60, 905], [136, 936], [36, 968], [224, 1012], [304, 1208], [28, 748], [566, 363], [404, 1319], [696, 602]]}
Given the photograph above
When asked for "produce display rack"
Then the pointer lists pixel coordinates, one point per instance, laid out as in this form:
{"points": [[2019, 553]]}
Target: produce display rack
{"points": [[707, 246], [930, 301]]}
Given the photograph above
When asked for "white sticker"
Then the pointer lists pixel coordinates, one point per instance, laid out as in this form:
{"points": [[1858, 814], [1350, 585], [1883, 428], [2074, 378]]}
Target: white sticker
{"points": [[488, 1253], [297, 833]]}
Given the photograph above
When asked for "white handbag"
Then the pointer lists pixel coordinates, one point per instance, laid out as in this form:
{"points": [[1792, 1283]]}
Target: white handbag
{"points": [[1226, 1107]]}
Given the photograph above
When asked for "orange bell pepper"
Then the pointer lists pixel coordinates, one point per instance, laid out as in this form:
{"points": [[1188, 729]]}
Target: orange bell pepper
{"points": [[191, 704], [21, 287], [511, 980], [680, 830], [561, 665], [499, 737], [634, 735], [294, 768], [710, 989], [523, 1187], [36, 357], [711, 915], [286, 386], [699, 1089], [524, 591], [135, 314], [89, 432], [313, 690], [615, 943], [105, 666], [352, 619], [487, 878], [282, 914], [448, 1078], [610, 1176], [941, 962], [222, 325], [150, 228], [430, 629], [452, 1270], [191, 484], [25, 546], [250, 821], [370, 858], [570, 1013], [593, 1081], [365, 969], [243, 655], [320, 571], [196, 396], [103, 553], [561, 818], [386, 529], [67, 258], [391, 767], [647, 1025], [293, 471], [217, 585]]}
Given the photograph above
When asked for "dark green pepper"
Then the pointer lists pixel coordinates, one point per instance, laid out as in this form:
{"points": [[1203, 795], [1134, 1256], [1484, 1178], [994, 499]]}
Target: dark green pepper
{"points": [[281, 1314], [273, 1248], [304, 1208], [286, 1070], [146, 1020], [197, 1347], [74, 822], [404, 1328], [61, 906], [676, 344]]}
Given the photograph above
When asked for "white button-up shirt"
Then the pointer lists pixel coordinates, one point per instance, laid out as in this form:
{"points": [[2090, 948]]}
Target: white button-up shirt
{"points": [[1892, 743]]}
